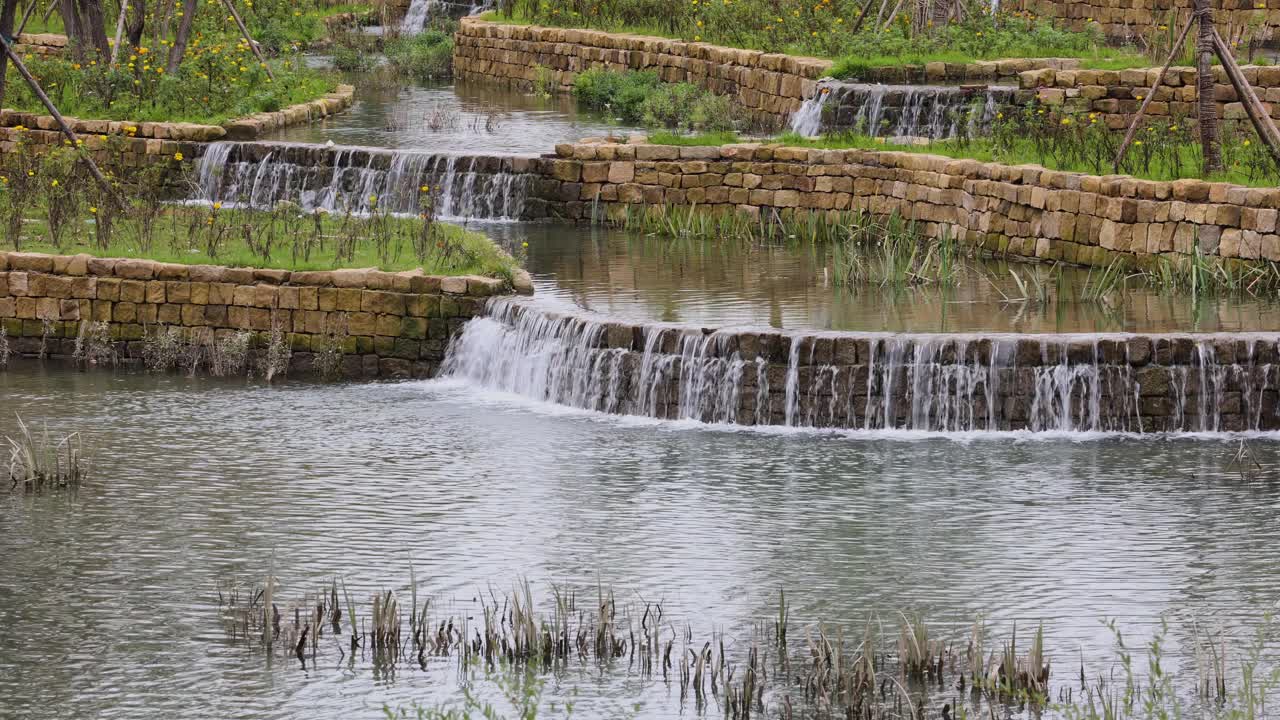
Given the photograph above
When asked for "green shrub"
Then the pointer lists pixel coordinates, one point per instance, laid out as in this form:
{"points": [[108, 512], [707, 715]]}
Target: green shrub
{"points": [[425, 56], [621, 93], [640, 97], [349, 59]]}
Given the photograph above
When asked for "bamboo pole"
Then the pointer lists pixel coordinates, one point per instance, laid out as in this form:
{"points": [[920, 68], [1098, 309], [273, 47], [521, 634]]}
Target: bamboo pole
{"points": [[245, 32], [1151, 93], [115, 47], [25, 17], [1262, 122], [62, 123]]}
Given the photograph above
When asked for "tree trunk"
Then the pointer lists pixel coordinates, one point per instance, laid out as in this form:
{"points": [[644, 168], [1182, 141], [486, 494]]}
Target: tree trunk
{"points": [[184, 33], [8, 15], [71, 26], [1207, 107], [138, 23], [94, 26]]}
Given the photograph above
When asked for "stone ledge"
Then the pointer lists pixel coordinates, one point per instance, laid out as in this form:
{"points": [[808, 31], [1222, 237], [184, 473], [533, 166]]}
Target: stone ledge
{"points": [[411, 281], [246, 128]]}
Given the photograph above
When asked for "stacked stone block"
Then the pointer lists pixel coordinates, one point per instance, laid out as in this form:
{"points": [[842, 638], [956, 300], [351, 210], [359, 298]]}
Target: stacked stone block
{"points": [[394, 324]]}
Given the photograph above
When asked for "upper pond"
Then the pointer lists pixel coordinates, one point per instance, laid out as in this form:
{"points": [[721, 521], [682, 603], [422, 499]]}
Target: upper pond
{"points": [[463, 118]]}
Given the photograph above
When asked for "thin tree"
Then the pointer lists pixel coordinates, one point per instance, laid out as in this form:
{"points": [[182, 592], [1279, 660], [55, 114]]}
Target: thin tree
{"points": [[179, 47]]}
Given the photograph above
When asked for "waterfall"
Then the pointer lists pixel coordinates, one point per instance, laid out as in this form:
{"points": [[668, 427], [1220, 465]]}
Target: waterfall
{"points": [[807, 121], [929, 111], [415, 18], [420, 13], [358, 179], [875, 381]]}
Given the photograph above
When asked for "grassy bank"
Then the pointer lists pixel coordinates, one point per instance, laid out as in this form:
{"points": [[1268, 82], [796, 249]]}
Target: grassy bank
{"points": [[1164, 150], [284, 238], [834, 29], [212, 86]]}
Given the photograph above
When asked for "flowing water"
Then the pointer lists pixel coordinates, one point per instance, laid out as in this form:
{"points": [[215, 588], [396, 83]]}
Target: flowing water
{"points": [[355, 179], [908, 111], [461, 118], [107, 603]]}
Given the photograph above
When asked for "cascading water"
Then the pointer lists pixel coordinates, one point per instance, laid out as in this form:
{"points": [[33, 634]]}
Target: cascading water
{"points": [[357, 179], [929, 111], [931, 383], [420, 13]]}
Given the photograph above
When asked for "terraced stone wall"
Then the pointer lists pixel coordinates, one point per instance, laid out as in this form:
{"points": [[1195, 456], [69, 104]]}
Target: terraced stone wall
{"points": [[1135, 19], [1024, 210], [386, 324]]}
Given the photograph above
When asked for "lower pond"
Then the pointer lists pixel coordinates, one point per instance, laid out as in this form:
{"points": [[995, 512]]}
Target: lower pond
{"points": [[109, 605]]}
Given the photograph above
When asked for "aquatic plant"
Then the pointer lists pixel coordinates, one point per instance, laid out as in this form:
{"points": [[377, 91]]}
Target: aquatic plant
{"points": [[640, 96], [38, 463], [94, 345], [425, 56]]}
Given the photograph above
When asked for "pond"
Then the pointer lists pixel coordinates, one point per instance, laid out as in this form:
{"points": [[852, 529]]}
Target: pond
{"points": [[108, 605], [459, 118], [633, 276]]}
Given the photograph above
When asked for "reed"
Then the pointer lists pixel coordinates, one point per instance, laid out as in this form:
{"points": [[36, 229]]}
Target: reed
{"points": [[512, 643], [38, 463]]}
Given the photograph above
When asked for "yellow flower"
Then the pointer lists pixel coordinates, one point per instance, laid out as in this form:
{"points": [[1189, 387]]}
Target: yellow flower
{"points": [[1247, 143], [18, 128], [1137, 142], [373, 198], [177, 156], [217, 206], [143, 51], [93, 210], [524, 244], [53, 184], [999, 116], [426, 188], [1066, 121]]}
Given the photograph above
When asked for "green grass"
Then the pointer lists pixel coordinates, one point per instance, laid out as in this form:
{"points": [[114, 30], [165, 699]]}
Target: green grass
{"points": [[182, 235], [205, 91], [821, 30]]}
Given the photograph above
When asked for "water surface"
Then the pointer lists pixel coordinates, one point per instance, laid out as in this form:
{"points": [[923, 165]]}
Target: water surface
{"points": [[792, 286], [107, 605]]}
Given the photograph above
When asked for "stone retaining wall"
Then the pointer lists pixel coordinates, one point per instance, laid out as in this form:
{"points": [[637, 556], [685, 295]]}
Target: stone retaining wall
{"points": [[1116, 94], [769, 85], [40, 44], [1134, 19], [1020, 210], [387, 324]]}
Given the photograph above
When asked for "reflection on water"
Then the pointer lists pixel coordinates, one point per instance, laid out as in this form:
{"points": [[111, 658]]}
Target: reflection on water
{"points": [[440, 117], [631, 276], [107, 606]]}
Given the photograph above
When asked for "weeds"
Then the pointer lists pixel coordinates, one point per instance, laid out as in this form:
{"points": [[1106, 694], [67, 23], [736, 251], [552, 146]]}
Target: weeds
{"points": [[37, 463], [639, 96]]}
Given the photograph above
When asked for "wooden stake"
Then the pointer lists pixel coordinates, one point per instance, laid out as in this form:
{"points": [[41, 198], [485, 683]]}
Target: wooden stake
{"points": [[1151, 93], [25, 17], [62, 123], [862, 16], [1206, 106], [115, 47], [1262, 122], [245, 32]]}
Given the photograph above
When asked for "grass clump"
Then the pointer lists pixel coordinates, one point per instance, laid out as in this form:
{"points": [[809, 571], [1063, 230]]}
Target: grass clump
{"points": [[425, 56], [37, 463], [640, 97]]}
